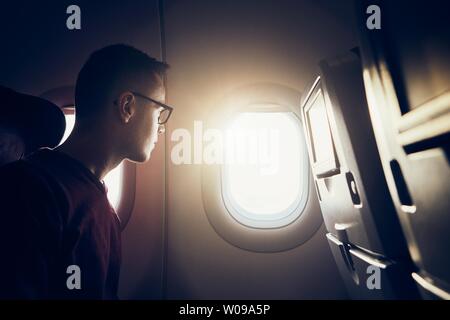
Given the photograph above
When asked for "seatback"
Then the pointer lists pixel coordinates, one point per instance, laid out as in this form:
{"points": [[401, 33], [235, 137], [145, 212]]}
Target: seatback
{"points": [[407, 80], [364, 231]]}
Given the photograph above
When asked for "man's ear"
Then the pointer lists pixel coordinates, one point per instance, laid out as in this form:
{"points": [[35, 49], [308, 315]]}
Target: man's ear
{"points": [[126, 103]]}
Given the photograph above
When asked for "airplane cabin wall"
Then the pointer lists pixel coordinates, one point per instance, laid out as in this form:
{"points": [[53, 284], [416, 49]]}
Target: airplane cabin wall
{"points": [[214, 47]]}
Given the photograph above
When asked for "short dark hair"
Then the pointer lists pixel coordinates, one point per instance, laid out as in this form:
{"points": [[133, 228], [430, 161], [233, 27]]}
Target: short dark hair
{"points": [[108, 67]]}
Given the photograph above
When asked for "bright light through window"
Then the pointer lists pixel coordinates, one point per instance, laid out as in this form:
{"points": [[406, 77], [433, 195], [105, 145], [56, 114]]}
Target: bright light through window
{"points": [[70, 123], [265, 177], [113, 180]]}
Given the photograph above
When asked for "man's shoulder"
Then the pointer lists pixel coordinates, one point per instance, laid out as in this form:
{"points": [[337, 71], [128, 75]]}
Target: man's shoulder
{"points": [[16, 170], [30, 171], [25, 187], [34, 164]]}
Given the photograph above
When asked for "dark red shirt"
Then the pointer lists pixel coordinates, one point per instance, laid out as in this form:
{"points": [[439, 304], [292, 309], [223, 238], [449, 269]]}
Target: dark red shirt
{"points": [[54, 213]]}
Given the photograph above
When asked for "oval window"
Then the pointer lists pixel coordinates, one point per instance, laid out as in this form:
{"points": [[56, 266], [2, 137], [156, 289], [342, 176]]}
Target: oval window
{"points": [[265, 175]]}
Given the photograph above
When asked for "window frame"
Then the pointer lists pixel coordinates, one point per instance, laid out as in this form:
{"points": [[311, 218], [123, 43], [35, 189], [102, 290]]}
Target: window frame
{"points": [[288, 237]]}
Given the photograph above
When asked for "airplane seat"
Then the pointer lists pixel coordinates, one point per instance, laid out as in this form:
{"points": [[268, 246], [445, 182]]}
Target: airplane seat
{"points": [[364, 233], [407, 81]]}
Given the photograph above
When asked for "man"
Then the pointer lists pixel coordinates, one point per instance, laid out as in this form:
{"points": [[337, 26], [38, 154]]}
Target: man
{"points": [[60, 237], [27, 123]]}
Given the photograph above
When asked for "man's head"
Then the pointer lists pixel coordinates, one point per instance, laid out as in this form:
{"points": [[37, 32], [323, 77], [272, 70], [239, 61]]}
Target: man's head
{"points": [[109, 96]]}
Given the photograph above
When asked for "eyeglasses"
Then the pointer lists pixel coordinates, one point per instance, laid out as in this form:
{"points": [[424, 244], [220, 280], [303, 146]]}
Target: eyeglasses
{"points": [[164, 115]]}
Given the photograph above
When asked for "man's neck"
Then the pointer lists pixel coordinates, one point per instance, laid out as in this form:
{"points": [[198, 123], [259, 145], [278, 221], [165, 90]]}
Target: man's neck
{"points": [[94, 152]]}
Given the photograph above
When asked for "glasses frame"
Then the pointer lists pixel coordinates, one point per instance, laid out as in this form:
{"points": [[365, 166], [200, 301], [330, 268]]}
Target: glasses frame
{"points": [[163, 105]]}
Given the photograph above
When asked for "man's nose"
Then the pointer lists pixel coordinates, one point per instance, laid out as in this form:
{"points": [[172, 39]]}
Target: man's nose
{"points": [[161, 129]]}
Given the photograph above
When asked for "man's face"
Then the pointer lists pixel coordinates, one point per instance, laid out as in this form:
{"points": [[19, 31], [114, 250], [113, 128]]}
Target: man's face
{"points": [[146, 122]]}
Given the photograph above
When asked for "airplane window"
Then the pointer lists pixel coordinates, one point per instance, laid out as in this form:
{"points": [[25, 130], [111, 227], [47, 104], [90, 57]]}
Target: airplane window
{"points": [[113, 180], [70, 123], [263, 179]]}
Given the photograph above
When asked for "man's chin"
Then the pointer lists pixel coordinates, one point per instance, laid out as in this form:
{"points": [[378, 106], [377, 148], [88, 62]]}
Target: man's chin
{"points": [[143, 157]]}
